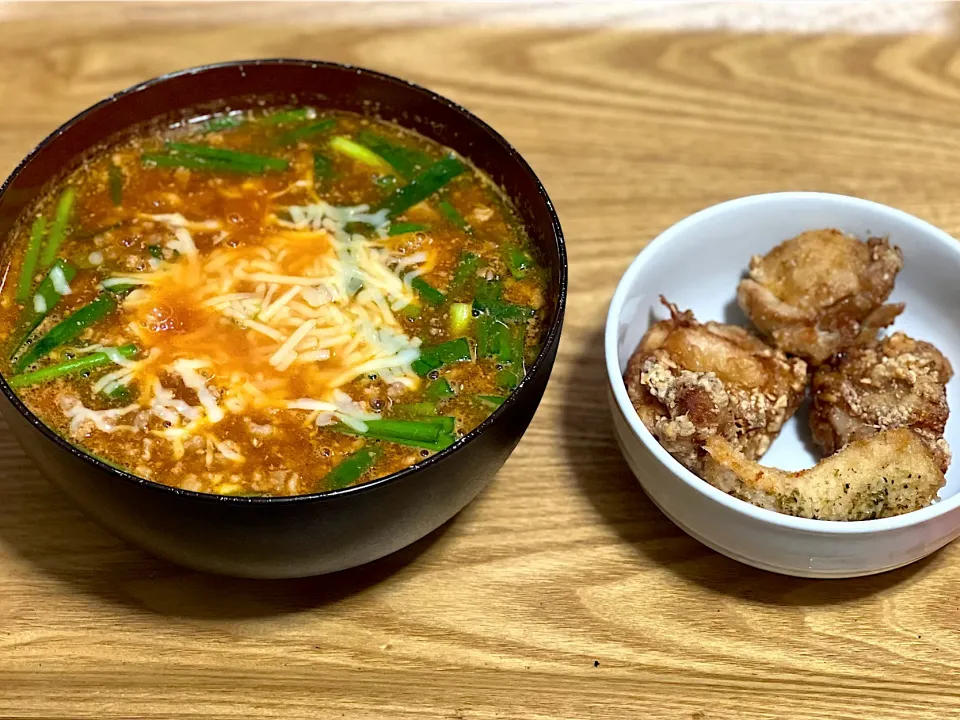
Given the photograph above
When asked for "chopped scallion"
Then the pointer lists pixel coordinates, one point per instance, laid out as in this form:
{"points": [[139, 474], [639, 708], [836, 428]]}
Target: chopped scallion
{"points": [[461, 314], [508, 378], [423, 185], [30, 257], [66, 330], [430, 294], [439, 389], [58, 228], [404, 160], [518, 262], [353, 467], [447, 209], [223, 122], [292, 137], [189, 162], [488, 300], [289, 117], [33, 315], [235, 157], [356, 151], [494, 400], [322, 167], [70, 367], [402, 228], [120, 394], [465, 271], [115, 181], [487, 337], [436, 356]]}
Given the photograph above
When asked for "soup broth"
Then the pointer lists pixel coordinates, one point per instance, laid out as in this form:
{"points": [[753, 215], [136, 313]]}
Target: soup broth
{"points": [[272, 302]]}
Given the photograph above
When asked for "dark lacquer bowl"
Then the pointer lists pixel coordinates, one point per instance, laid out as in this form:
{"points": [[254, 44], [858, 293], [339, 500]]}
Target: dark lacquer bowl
{"points": [[308, 534]]}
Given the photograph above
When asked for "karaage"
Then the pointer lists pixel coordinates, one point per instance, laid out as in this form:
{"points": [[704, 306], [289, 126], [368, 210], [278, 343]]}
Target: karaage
{"points": [[690, 381], [822, 292], [896, 382], [890, 473]]}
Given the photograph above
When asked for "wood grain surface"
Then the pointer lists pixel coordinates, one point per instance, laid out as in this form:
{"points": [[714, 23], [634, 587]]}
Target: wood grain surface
{"points": [[561, 592]]}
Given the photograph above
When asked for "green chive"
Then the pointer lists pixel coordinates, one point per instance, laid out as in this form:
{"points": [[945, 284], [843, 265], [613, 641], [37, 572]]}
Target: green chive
{"points": [[230, 156], [121, 394], [289, 117], [30, 318], [423, 185], [495, 400], [356, 151], [150, 160], [66, 330], [460, 316], [487, 337], [439, 389], [405, 161], [70, 367], [430, 294], [58, 229], [411, 311], [452, 214], [436, 356], [223, 122], [292, 137], [488, 300], [518, 262], [488, 292], [403, 435], [466, 270], [508, 378], [505, 347], [426, 363], [404, 228], [446, 423], [322, 167], [353, 467], [30, 257], [115, 181]]}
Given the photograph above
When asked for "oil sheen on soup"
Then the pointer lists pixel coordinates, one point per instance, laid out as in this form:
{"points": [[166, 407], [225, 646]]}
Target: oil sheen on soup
{"points": [[269, 302]]}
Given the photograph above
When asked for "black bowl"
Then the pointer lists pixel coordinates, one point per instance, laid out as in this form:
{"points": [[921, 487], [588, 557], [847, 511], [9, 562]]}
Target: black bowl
{"points": [[308, 534]]}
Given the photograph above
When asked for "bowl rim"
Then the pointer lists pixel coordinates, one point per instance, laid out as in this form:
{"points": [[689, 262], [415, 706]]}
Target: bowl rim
{"points": [[742, 507], [539, 365]]}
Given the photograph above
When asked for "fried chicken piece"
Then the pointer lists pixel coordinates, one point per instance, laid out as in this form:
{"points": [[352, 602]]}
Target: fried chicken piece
{"points": [[822, 292], [896, 382], [689, 381], [890, 473]]}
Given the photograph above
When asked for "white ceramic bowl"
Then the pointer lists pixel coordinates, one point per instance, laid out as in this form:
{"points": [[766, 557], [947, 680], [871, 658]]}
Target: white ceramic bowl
{"points": [[697, 264]]}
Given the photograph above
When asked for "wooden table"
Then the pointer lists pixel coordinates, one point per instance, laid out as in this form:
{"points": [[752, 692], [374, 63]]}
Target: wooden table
{"points": [[561, 592]]}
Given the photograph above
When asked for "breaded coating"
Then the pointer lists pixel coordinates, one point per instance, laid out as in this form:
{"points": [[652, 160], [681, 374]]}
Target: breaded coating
{"points": [[890, 473], [896, 382], [822, 292], [690, 381]]}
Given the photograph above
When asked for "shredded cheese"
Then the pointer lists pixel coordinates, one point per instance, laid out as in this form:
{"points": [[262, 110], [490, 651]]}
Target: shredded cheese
{"points": [[313, 301], [176, 220], [187, 370]]}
